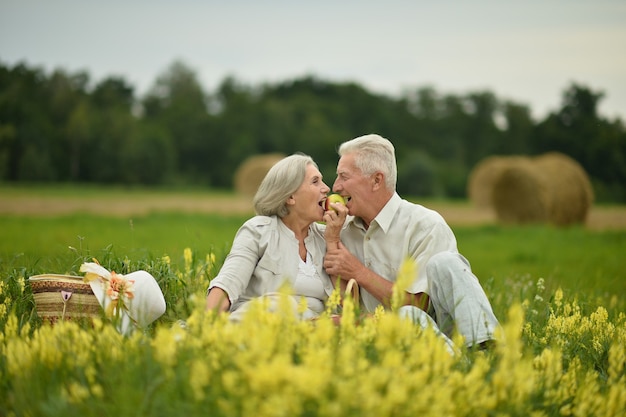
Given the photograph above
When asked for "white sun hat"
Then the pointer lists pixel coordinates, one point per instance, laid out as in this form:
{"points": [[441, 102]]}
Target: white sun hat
{"points": [[143, 299]]}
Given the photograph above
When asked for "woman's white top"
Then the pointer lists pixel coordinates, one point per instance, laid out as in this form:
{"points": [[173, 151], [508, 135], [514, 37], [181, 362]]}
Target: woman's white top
{"points": [[265, 255]]}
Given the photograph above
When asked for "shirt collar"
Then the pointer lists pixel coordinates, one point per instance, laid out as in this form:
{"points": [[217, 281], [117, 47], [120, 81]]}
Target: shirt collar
{"points": [[385, 216], [388, 213]]}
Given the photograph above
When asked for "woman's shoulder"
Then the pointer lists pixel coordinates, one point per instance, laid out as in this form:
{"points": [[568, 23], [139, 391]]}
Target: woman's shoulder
{"points": [[260, 222], [256, 231]]}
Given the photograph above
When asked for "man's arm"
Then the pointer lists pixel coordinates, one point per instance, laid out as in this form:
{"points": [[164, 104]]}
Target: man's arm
{"points": [[340, 262]]}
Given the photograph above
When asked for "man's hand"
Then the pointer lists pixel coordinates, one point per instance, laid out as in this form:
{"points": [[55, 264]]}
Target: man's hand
{"points": [[340, 262]]}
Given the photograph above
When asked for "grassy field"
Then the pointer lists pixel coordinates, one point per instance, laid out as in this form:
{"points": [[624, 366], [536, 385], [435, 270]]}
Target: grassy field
{"points": [[559, 352], [51, 229], [157, 234], [574, 258]]}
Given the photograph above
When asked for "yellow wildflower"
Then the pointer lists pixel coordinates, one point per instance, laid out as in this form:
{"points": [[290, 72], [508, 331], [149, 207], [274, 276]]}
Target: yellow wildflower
{"points": [[210, 262], [76, 393], [406, 275], [188, 257], [21, 283], [558, 297], [199, 378]]}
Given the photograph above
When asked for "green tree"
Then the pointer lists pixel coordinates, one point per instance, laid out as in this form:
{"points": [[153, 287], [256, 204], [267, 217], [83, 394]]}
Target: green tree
{"points": [[79, 135], [482, 136], [24, 117], [67, 95], [53, 127], [598, 144], [518, 130], [315, 116], [147, 156], [108, 129], [418, 175], [178, 104], [235, 134]]}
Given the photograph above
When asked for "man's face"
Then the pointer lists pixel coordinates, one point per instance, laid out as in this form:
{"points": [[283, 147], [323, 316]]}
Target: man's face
{"points": [[352, 185]]}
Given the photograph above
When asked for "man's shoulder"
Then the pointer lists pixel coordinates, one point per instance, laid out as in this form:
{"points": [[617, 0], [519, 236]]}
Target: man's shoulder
{"points": [[422, 217], [409, 207]]}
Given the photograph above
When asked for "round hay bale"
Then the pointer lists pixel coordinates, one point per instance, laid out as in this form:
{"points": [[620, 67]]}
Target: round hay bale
{"points": [[481, 179], [521, 194], [571, 190], [548, 188], [251, 172]]}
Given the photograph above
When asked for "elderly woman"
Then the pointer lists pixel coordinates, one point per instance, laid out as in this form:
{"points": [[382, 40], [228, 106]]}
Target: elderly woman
{"points": [[282, 244]]}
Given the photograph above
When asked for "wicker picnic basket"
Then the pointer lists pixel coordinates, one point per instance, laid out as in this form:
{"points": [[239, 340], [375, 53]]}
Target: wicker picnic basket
{"points": [[63, 297]]}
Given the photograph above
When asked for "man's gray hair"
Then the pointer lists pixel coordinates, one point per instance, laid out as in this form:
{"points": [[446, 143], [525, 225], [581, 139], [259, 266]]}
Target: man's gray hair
{"points": [[280, 183], [373, 153]]}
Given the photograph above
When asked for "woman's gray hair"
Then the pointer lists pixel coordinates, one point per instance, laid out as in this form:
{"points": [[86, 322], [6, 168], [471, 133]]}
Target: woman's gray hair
{"points": [[373, 153], [280, 183]]}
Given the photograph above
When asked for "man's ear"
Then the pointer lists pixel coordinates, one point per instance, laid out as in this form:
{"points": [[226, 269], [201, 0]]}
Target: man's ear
{"points": [[378, 180]]}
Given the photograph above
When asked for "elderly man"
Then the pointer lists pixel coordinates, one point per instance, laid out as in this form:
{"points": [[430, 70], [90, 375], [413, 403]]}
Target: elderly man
{"points": [[377, 230]]}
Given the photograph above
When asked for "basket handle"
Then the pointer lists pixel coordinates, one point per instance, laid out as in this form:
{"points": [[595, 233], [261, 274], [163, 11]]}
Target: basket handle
{"points": [[352, 290], [65, 296]]}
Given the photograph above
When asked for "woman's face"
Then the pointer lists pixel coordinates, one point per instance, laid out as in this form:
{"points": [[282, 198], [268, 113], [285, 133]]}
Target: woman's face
{"points": [[308, 199]]}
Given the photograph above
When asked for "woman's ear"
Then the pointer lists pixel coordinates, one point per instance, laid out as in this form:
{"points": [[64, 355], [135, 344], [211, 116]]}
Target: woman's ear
{"points": [[291, 201]]}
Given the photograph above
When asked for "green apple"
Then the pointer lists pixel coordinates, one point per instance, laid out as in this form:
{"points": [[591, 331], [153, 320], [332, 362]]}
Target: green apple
{"points": [[333, 198]]}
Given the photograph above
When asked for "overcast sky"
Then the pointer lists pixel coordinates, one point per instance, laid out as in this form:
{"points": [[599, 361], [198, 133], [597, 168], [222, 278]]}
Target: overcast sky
{"points": [[527, 51]]}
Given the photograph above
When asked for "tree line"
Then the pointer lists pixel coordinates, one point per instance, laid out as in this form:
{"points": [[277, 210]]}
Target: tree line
{"points": [[58, 127]]}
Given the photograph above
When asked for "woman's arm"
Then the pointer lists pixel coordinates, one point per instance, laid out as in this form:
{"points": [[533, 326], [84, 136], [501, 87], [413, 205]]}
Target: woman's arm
{"points": [[234, 275], [217, 300]]}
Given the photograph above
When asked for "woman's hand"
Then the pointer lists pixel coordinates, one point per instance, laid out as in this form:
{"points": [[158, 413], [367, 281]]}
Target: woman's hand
{"points": [[334, 219]]}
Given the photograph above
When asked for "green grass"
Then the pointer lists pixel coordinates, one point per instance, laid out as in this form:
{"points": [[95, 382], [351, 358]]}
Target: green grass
{"points": [[101, 191], [46, 241], [575, 259], [505, 258]]}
